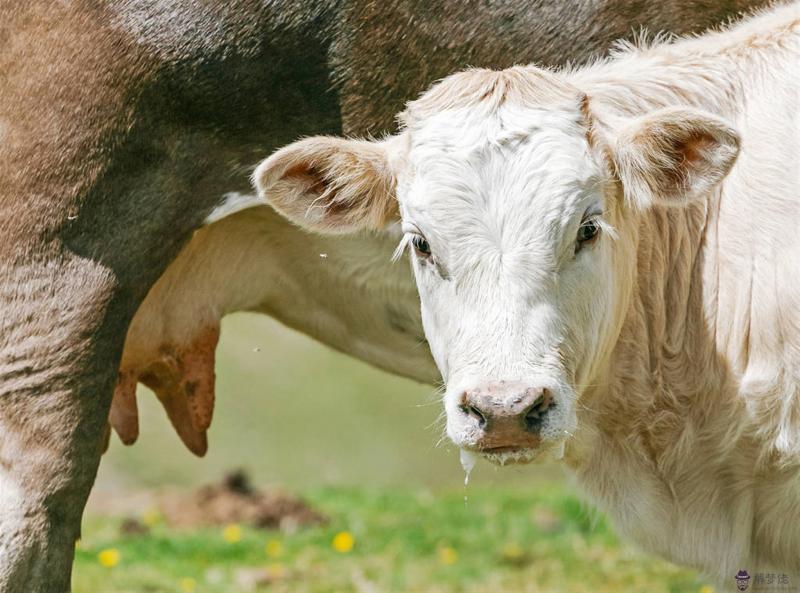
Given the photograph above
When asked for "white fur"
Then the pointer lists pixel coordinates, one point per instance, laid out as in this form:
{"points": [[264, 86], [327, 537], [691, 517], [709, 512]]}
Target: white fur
{"points": [[499, 199], [232, 203]]}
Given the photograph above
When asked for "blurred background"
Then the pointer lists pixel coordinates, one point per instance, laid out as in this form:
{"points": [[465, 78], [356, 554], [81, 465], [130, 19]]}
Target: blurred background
{"points": [[292, 412], [352, 488]]}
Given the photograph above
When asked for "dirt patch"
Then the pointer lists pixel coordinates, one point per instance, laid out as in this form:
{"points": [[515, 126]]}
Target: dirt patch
{"points": [[132, 527], [234, 500]]}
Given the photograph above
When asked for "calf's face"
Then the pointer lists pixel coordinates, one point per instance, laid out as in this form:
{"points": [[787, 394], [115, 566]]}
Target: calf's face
{"points": [[510, 224], [517, 210]]}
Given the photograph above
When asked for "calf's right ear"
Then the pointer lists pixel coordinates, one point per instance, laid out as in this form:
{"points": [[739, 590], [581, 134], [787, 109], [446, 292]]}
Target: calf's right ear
{"points": [[331, 185]]}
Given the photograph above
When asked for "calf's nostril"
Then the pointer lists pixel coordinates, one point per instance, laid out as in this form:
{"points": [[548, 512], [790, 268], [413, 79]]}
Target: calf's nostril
{"points": [[534, 416], [475, 413]]}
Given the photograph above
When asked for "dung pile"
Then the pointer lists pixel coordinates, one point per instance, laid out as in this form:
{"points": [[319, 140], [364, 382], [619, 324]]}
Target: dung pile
{"points": [[234, 500]]}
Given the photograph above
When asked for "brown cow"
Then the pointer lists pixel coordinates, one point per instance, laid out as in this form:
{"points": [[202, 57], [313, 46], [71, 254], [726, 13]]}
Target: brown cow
{"points": [[123, 124]]}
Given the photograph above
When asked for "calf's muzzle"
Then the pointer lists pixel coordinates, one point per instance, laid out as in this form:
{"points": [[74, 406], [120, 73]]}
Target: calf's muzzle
{"points": [[507, 415]]}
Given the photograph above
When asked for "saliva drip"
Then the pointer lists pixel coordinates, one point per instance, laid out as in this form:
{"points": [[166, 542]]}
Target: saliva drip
{"points": [[468, 460]]}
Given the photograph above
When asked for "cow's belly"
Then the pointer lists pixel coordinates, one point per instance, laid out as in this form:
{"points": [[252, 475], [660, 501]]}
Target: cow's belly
{"points": [[345, 292]]}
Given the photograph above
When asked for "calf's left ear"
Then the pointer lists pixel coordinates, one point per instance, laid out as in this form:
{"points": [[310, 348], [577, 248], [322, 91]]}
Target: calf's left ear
{"points": [[673, 156], [331, 185]]}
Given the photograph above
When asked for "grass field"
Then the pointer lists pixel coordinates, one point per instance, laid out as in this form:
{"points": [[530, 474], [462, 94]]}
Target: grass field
{"points": [[386, 540], [361, 446]]}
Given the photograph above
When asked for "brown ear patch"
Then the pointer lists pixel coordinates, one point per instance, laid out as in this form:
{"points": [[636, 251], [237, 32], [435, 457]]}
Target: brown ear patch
{"points": [[182, 377], [674, 156], [309, 177], [678, 159], [331, 185]]}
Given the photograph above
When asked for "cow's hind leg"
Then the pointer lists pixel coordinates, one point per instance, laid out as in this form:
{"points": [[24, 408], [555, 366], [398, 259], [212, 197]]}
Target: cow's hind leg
{"points": [[61, 333]]}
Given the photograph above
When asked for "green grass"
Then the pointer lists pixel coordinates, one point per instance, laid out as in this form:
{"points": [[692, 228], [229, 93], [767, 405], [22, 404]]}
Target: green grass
{"points": [[405, 541], [362, 447]]}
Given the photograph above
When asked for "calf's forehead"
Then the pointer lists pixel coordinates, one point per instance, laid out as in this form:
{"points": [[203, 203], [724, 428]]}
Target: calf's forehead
{"points": [[519, 162], [472, 126]]}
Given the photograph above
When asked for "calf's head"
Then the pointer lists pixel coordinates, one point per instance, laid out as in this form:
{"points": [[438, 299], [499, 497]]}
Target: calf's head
{"points": [[518, 205]]}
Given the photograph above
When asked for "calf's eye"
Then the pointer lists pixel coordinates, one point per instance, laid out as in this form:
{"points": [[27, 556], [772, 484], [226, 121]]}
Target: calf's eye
{"points": [[421, 246], [587, 232]]}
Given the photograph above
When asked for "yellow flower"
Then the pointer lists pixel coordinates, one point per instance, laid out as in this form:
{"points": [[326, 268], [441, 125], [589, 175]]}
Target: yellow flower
{"points": [[108, 557], [274, 548], [232, 533], [151, 517], [706, 589], [447, 555], [343, 542], [188, 585]]}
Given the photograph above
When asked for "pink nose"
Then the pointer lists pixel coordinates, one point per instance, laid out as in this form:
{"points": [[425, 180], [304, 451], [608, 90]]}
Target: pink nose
{"points": [[509, 414]]}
